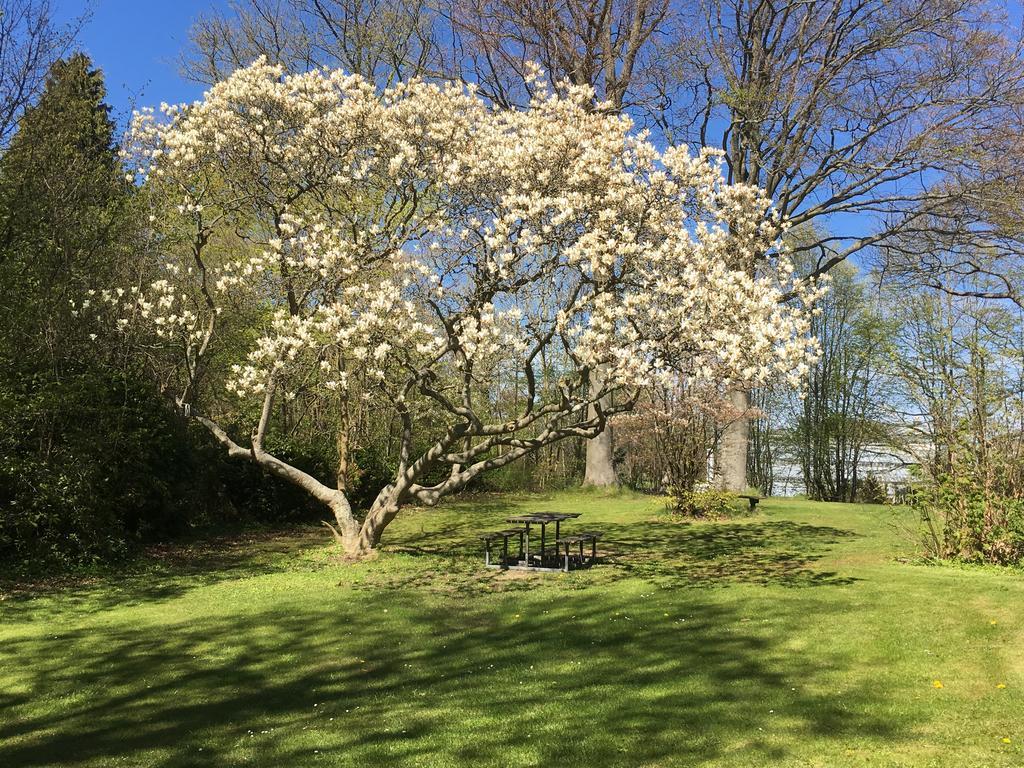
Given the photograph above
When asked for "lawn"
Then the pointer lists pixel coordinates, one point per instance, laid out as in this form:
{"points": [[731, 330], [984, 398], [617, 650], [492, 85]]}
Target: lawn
{"points": [[798, 636]]}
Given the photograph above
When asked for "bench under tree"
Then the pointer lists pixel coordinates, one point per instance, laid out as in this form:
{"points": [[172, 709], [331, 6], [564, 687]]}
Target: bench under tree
{"points": [[750, 498]]}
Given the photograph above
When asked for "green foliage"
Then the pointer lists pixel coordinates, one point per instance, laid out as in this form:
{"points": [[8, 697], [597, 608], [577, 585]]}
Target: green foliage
{"points": [[92, 461], [90, 467], [701, 503], [871, 491], [373, 470], [257, 495], [963, 520]]}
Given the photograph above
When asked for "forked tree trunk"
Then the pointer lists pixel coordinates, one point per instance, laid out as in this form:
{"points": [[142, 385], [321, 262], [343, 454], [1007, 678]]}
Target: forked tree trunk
{"points": [[357, 539], [731, 462], [384, 509], [600, 468], [346, 527]]}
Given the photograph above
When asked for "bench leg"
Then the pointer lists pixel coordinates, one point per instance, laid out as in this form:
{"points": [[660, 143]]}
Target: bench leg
{"points": [[520, 546], [566, 568], [593, 551], [581, 555], [504, 551], [487, 552]]}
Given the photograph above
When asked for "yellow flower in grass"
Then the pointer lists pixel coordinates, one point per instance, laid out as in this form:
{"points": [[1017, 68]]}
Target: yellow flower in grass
{"points": [[1006, 739], [937, 684], [1000, 685]]}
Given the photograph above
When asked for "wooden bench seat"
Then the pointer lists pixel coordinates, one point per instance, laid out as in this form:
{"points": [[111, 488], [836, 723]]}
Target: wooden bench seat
{"points": [[504, 535], [751, 498], [507, 533], [581, 538]]}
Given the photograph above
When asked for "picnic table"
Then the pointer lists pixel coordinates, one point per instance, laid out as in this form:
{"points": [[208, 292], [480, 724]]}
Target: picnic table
{"points": [[541, 561], [543, 519]]}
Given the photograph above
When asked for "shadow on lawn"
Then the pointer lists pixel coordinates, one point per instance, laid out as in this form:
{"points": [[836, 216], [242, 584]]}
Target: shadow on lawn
{"points": [[772, 552], [166, 571], [779, 552], [438, 683]]}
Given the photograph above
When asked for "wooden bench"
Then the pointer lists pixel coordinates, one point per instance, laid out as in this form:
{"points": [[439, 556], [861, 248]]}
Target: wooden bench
{"points": [[584, 537], [752, 499], [504, 535]]}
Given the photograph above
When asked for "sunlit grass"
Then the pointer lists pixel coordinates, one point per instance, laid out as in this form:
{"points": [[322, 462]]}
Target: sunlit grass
{"points": [[793, 637]]}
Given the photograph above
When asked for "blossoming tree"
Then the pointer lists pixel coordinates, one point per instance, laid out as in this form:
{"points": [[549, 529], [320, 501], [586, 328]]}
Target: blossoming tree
{"points": [[309, 229]]}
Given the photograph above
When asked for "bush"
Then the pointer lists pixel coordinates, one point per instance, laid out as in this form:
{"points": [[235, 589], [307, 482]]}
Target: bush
{"points": [[701, 503], [870, 491], [256, 495], [91, 466], [964, 521]]}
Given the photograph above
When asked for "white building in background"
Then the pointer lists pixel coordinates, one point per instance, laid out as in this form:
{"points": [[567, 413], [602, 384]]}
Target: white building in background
{"points": [[893, 469]]}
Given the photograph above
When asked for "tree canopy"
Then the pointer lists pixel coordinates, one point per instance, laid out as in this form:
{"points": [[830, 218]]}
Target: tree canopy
{"points": [[413, 243]]}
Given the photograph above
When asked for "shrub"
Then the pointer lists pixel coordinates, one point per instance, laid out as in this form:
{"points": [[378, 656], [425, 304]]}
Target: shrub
{"points": [[870, 491], [962, 520], [256, 495], [92, 466], [701, 503]]}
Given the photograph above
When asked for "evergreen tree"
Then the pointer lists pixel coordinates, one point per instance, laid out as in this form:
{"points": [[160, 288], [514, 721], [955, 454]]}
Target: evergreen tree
{"points": [[90, 461], [63, 214]]}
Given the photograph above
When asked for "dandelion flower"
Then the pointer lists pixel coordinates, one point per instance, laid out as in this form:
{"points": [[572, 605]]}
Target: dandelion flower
{"points": [[937, 684]]}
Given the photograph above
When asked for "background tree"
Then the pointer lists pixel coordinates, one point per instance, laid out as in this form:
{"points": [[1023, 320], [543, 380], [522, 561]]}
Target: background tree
{"points": [[382, 40], [842, 410], [957, 369], [90, 460], [769, 437], [854, 117], [608, 45], [30, 42]]}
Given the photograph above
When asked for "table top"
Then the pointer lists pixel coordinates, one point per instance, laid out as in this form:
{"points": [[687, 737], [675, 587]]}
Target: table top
{"points": [[542, 517]]}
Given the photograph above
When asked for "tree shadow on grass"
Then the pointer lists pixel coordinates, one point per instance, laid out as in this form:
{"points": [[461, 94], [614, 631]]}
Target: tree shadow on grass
{"points": [[773, 552], [449, 558], [167, 571], [778, 552], [561, 681]]}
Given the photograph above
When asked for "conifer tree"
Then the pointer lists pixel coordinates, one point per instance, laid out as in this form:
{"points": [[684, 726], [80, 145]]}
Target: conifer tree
{"points": [[77, 479]]}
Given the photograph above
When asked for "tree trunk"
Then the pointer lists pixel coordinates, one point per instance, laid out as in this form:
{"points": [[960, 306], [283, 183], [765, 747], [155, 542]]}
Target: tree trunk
{"points": [[346, 528], [384, 510], [731, 464], [600, 470], [342, 444]]}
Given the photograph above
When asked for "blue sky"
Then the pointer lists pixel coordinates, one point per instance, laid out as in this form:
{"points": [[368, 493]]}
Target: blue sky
{"points": [[136, 43]]}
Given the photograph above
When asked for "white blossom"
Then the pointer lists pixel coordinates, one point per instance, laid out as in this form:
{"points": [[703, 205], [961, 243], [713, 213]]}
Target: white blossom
{"points": [[421, 228]]}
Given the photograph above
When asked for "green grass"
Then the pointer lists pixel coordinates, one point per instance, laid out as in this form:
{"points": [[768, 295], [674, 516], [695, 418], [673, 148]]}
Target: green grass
{"points": [[793, 637]]}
